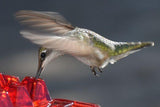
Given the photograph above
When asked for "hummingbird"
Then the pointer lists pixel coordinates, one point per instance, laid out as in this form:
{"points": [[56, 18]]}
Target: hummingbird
{"points": [[56, 37]]}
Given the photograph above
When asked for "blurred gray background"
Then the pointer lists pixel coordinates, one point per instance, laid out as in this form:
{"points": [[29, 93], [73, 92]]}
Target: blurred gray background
{"points": [[131, 82]]}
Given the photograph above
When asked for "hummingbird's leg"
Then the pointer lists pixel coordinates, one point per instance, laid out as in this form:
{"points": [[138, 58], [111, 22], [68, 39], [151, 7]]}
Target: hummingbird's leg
{"points": [[99, 70], [93, 70]]}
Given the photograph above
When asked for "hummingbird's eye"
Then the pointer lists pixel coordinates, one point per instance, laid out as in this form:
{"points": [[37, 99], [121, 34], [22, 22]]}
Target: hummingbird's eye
{"points": [[43, 55]]}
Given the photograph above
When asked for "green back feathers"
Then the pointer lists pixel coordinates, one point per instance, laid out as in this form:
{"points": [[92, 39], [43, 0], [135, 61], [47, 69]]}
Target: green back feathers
{"points": [[101, 45], [121, 47]]}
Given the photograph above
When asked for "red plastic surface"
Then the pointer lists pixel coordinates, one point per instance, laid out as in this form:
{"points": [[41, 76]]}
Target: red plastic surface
{"points": [[19, 96], [70, 103], [4, 99], [37, 90], [31, 93], [2, 81]]}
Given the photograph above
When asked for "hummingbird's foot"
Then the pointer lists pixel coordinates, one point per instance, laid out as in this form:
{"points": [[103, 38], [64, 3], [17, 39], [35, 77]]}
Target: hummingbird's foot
{"points": [[94, 71], [99, 70]]}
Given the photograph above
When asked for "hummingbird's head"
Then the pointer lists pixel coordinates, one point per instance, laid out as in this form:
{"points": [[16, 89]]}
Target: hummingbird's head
{"points": [[43, 59]]}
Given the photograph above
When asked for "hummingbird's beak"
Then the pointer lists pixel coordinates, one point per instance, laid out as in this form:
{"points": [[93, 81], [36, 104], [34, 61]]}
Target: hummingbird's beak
{"points": [[39, 70]]}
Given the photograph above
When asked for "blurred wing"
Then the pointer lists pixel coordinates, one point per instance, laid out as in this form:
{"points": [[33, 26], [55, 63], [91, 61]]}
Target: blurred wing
{"points": [[50, 22], [62, 43]]}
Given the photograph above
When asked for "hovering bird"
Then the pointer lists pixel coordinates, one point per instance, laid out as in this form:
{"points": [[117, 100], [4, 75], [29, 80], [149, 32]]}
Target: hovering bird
{"points": [[57, 37]]}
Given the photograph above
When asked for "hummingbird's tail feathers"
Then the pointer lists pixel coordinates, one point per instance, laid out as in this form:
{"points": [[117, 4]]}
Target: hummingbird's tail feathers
{"points": [[126, 49], [131, 46], [61, 43], [139, 45], [49, 22]]}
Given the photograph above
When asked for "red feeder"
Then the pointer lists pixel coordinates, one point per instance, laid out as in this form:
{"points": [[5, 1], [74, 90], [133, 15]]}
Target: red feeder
{"points": [[31, 93], [37, 89], [70, 103], [4, 99]]}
